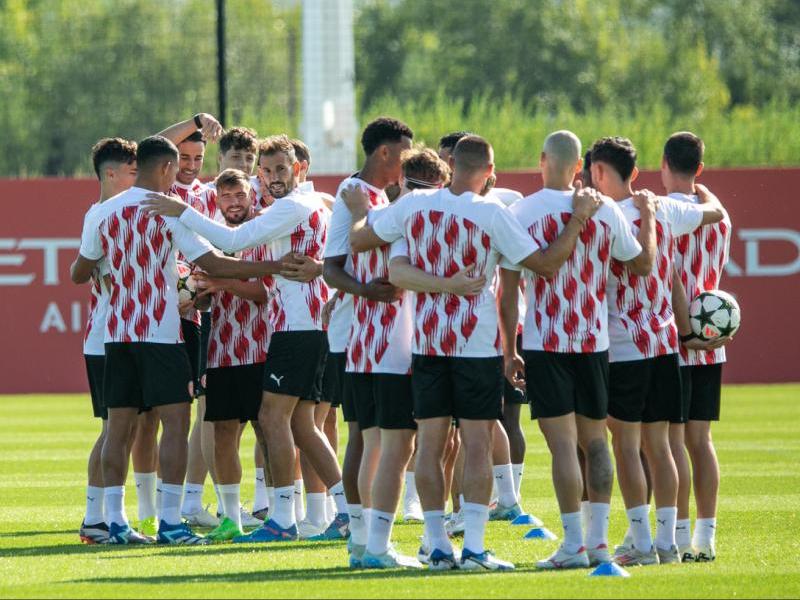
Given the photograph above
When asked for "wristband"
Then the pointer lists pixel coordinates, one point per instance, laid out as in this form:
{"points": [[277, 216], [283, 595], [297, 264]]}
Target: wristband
{"points": [[198, 121], [688, 337]]}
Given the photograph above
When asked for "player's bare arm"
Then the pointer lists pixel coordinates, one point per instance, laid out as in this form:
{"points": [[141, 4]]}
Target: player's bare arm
{"points": [[547, 261], [81, 270], [204, 122], [713, 212], [642, 264], [299, 267], [164, 205], [362, 237], [680, 308], [249, 290], [463, 283], [224, 267], [508, 315]]}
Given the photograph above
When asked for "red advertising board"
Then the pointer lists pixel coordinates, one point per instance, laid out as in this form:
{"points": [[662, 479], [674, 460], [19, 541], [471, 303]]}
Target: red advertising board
{"points": [[43, 313]]}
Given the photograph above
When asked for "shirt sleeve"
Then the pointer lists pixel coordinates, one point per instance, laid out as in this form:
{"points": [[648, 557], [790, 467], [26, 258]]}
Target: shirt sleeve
{"points": [[389, 226], [338, 243], [684, 217], [510, 239], [625, 246], [277, 221], [398, 248], [91, 244], [188, 242]]}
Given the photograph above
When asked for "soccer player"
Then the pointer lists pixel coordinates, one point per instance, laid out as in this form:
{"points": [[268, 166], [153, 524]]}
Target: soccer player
{"points": [[644, 376], [114, 161], [304, 158], [699, 259], [296, 222], [457, 367], [383, 141], [565, 341], [146, 364]]}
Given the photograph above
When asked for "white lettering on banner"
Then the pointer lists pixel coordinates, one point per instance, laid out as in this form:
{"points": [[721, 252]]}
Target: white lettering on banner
{"points": [[753, 266], [49, 247], [13, 260], [54, 319]]}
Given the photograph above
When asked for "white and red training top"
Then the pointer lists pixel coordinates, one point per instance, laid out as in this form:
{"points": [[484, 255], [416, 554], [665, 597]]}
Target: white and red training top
{"points": [[446, 233], [338, 244], [568, 312], [295, 223], [640, 317], [141, 253], [98, 305], [239, 327], [700, 258]]}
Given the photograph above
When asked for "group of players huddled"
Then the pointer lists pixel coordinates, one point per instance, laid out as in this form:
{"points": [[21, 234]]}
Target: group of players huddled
{"points": [[430, 306]]}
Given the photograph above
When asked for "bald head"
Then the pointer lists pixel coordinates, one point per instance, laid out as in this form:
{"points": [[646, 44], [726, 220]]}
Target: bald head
{"points": [[562, 150]]}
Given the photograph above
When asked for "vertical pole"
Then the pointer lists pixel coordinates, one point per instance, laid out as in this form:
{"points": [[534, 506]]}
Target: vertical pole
{"points": [[221, 85]]}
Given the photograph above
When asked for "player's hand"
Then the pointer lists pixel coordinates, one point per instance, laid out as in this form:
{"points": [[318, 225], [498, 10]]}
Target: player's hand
{"points": [[185, 308], [645, 200], [463, 284], [301, 268], [327, 310], [707, 346], [211, 130], [515, 371], [380, 290], [207, 286], [356, 200], [704, 195], [164, 205], [585, 202]]}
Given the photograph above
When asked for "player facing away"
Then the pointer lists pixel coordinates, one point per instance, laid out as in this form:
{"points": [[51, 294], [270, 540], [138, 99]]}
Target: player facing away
{"points": [[114, 161], [457, 367], [700, 258], [383, 141], [565, 341], [644, 377], [296, 223], [146, 363]]}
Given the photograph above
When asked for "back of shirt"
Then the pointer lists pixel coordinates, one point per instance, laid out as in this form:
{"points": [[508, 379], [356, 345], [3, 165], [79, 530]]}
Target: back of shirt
{"points": [[700, 258]]}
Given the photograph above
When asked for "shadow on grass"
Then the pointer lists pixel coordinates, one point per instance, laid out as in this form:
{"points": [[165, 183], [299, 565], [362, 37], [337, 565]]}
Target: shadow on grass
{"points": [[13, 534]]}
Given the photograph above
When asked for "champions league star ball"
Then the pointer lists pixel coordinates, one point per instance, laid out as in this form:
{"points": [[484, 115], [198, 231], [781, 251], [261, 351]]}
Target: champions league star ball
{"points": [[714, 314], [187, 284]]}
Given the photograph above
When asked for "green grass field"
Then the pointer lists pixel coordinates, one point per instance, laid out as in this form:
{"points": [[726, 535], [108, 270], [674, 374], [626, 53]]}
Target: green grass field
{"points": [[44, 441]]}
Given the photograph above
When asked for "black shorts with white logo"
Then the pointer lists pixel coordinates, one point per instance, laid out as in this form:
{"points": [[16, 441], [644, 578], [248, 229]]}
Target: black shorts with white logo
{"points": [[701, 393], [95, 366], [382, 400], [144, 375], [333, 378], [295, 364], [560, 383], [234, 393], [191, 344], [512, 395], [646, 391], [460, 387]]}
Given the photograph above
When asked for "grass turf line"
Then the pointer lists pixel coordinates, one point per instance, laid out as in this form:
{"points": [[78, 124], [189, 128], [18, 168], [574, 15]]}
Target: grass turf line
{"points": [[44, 442]]}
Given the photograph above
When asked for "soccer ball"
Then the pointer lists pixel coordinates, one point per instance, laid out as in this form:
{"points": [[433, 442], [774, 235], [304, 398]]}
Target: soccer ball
{"points": [[714, 314], [187, 284]]}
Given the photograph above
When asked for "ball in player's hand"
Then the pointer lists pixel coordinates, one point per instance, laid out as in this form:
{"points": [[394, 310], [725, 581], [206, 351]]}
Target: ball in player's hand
{"points": [[714, 314], [187, 284]]}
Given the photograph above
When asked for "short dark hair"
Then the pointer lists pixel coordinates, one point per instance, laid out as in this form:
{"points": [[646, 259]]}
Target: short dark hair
{"points": [[449, 141], [617, 152], [112, 150], [383, 130], [196, 136], [154, 149], [684, 152], [232, 177], [275, 144], [238, 138], [301, 151], [472, 153]]}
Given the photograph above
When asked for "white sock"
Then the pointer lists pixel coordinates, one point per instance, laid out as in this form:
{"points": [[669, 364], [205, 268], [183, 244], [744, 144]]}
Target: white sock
{"points": [[270, 499], [573, 534], [299, 508], [261, 500], [494, 498], [628, 539], [504, 479], [411, 487], [192, 498], [586, 518], [220, 502], [639, 519], [114, 501], [171, 503], [283, 509], [517, 472], [94, 506], [705, 531], [379, 531], [665, 526], [330, 509], [337, 491], [597, 534], [434, 529], [230, 502], [358, 525], [475, 518], [461, 502], [145, 494], [159, 483], [315, 508], [683, 532]]}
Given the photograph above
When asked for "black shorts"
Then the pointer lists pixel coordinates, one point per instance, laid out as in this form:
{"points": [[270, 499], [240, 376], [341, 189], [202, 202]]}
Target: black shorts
{"points": [[512, 395], [701, 393], [464, 388], [143, 375], [234, 393], [647, 390], [560, 383], [332, 379], [205, 335], [382, 400], [191, 344], [295, 364], [95, 366]]}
